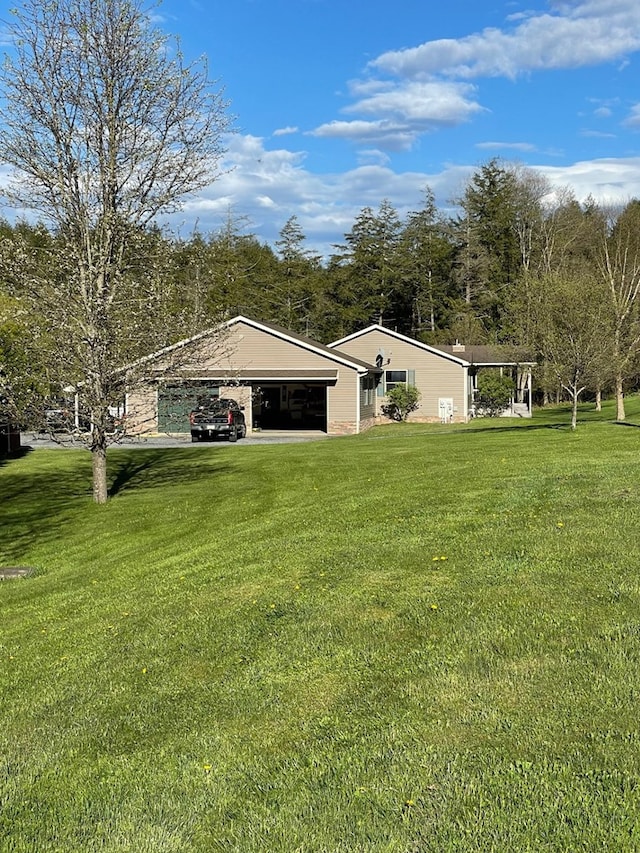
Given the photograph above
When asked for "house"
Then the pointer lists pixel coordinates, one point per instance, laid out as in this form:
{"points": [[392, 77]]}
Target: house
{"points": [[446, 376], [283, 381]]}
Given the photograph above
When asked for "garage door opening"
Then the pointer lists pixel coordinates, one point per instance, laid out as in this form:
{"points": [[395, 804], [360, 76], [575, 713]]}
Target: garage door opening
{"points": [[292, 406]]}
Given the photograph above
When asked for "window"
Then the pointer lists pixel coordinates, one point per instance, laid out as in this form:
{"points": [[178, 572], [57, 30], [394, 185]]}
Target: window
{"points": [[393, 378], [367, 390]]}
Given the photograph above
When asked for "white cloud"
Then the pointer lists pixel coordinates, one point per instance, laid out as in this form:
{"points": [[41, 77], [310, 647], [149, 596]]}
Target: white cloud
{"points": [[633, 119], [285, 131], [429, 104], [608, 180], [387, 134], [597, 134], [584, 33], [266, 187], [427, 88], [402, 112], [507, 146], [373, 156]]}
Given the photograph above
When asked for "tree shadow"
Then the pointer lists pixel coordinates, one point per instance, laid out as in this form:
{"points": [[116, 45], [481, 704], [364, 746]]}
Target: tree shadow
{"points": [[6, 458], [519, 427], [35, 505], [154, 468], [38, 503]]}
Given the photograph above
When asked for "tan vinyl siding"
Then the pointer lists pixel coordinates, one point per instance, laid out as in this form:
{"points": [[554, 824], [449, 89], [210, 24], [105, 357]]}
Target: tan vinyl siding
{"points": [[436, 376], [245, 349], [142, 410], [342, 403]]}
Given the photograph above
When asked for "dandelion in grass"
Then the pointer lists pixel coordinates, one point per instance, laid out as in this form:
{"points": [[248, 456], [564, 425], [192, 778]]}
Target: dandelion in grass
{"points": [[560, 524], [207, 768], [434, 606], [406, 808], [144, 670]]}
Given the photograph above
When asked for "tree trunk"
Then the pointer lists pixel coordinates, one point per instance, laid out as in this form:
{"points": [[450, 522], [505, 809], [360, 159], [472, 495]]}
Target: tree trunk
{"points": [[574, 409], [99, 462], [598, 399], [620, 413]]}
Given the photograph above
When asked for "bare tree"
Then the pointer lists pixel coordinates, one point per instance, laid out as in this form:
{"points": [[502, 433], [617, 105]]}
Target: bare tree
{"points": [[106, 127]]}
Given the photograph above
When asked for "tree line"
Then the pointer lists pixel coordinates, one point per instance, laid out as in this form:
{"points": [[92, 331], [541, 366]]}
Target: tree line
{"points": [[513, 267]]}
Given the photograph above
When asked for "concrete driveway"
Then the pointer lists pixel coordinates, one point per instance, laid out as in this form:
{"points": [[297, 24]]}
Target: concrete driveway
{"points": [[38, 441]]}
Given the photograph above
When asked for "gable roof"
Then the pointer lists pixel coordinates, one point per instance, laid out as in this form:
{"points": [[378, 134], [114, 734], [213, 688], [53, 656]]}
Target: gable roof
{"points": [[278, 331], [465, 356], [376, 327]]}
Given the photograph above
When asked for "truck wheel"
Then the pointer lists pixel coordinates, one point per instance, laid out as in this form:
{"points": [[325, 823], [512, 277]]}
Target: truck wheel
{"points": [[195, 438], [243, 432], [233, 434]]}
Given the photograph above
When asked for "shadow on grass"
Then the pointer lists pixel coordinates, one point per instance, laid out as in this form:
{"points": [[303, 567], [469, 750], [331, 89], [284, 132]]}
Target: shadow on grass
{"points": [[148, 469], [41, 495], [5, 459], [527, 427]]}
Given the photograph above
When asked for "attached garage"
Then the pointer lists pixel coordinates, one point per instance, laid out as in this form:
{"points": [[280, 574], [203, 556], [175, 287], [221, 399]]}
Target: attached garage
{"points": [[284, 381]]}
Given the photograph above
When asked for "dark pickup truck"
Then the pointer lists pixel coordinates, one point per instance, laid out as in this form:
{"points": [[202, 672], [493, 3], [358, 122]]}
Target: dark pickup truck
{"points": [[217, 417]]}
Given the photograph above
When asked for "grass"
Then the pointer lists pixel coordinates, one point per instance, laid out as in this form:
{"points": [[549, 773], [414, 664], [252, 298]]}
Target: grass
{"points": [[423, 638]]}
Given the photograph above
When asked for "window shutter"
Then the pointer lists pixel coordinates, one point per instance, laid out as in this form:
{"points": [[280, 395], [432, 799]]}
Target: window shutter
{"points": [[412, 377]]}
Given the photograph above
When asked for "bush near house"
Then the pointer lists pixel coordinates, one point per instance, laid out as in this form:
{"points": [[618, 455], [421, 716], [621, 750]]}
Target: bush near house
{"points": [[494, 392], [402, 400]]}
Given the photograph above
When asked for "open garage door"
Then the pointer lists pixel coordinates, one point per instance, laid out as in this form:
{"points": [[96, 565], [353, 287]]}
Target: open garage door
{"points": [[290, 406]]}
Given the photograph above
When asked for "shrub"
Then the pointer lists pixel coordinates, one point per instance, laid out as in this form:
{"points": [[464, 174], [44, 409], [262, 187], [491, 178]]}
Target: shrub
{"points": [[402, 400], [494, 392]]}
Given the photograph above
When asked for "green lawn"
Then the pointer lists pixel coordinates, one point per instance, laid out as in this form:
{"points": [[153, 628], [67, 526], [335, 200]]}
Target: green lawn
{"points": [[423, 638]]}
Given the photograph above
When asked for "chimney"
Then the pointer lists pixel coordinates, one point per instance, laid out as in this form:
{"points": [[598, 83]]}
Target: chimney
{"points": [[458, 347]]}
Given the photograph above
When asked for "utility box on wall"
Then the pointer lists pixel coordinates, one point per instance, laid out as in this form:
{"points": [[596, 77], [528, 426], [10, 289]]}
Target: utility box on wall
{"points": [[445, 410]]}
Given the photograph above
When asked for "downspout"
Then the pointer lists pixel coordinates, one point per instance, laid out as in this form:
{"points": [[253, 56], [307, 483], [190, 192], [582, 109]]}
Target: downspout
{"points": [[358, 394], [465, 393]]}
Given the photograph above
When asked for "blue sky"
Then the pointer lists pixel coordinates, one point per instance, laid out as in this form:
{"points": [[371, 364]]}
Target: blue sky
{"points": [[340, 104]]}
